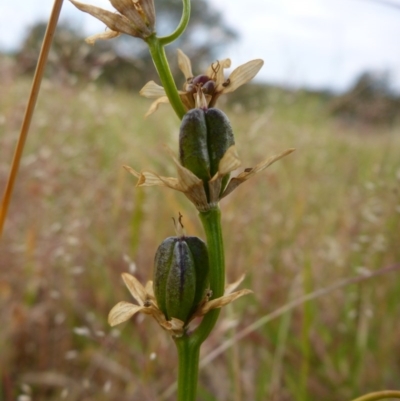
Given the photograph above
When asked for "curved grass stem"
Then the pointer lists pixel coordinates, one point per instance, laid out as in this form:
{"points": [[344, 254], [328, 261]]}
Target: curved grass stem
{"points": [[379, 395]]}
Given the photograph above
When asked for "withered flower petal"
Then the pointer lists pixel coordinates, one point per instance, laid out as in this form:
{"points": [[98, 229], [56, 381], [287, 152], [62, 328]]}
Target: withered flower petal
{"points": [[228, 297], [193, 187], [222, 301], [212, 84], [134, 18], [250, 172], [108, 34], [122, 312], [135, 288], [240, 76], [184, 64], [144, 296], [133, 12]]}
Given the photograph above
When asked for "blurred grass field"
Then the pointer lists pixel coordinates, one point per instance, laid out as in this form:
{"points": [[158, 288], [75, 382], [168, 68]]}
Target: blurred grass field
{"points": [[329, 211]]}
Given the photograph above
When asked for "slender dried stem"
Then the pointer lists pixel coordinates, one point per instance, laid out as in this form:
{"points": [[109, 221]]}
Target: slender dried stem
{"points": [[379, 395], [291, 305], [37, 79]]}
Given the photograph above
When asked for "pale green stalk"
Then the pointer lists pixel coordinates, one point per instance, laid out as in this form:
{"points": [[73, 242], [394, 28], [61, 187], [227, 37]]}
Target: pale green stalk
{"points": [[157, 51], [188, 345], [161, 63]]}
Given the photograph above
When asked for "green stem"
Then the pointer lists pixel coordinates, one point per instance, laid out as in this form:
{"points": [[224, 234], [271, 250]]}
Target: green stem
{"points": [[165, 40], [188, 354], [161, 63], [189, 344], [212, 226], [379, 395]]}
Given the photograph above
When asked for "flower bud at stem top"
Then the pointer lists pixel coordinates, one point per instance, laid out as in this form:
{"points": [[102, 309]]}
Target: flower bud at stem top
{"points": [[180, 276]]}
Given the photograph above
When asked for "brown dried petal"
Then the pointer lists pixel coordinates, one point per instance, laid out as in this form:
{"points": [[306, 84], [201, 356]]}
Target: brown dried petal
{"points": [[155, 104], [229, 162], [184, 64], [241, 75], [122, 312], [152, 90], [127, 8], [115, 22], [149, 11], [222, 301], [188, 100], [232, 286], [135, 288], [186, 178], [149, 289], [248, 173], [149, 179], [191, 185], [186, 182], [214, 186], [108, 34], [174, 326]]}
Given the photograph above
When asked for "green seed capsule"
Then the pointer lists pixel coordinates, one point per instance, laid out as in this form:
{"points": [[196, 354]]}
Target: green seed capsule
{"points": [[204, 137], [193, 150], [219, 137], [180, 276]]}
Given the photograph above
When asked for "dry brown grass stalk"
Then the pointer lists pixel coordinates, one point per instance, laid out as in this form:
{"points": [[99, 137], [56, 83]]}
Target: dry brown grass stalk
{"points": [[30, 108]]}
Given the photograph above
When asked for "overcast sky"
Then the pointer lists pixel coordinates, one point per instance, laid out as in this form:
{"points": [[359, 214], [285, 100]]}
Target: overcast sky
{"points": [[314, 43]]}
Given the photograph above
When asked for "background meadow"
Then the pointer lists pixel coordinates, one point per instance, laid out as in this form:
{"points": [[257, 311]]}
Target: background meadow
{"points": [[328, 212]]}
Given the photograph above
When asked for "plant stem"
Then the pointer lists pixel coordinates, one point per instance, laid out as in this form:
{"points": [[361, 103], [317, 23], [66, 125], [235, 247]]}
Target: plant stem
{"points": [[212, 226], [188, 370], [161, 63], [181, 27], [379, 395], [30, 108], [189, 344]]}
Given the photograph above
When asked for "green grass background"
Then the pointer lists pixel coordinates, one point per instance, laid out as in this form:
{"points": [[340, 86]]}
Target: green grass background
{"points": [[329, 211]]}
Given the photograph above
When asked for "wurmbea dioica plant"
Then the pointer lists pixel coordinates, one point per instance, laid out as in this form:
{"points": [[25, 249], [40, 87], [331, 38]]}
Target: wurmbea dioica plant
{"points": [[189, 276]]}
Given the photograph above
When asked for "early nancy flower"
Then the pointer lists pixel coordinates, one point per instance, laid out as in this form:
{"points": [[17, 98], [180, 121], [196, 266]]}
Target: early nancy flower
{"points": [[134, 18], [212, 84], [147, 304], [193, 187]]}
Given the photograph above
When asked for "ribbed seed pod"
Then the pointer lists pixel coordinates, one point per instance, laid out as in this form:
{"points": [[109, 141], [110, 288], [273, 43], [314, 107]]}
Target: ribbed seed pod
{"points": [[193, 150], [219, 137], [180, 276], [205, 136]]}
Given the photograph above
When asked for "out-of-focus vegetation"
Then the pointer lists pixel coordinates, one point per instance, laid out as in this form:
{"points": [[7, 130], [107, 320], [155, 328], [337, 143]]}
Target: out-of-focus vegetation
{"points": [[125, 62], [118, 64], [370, 101], [329, 211]]}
